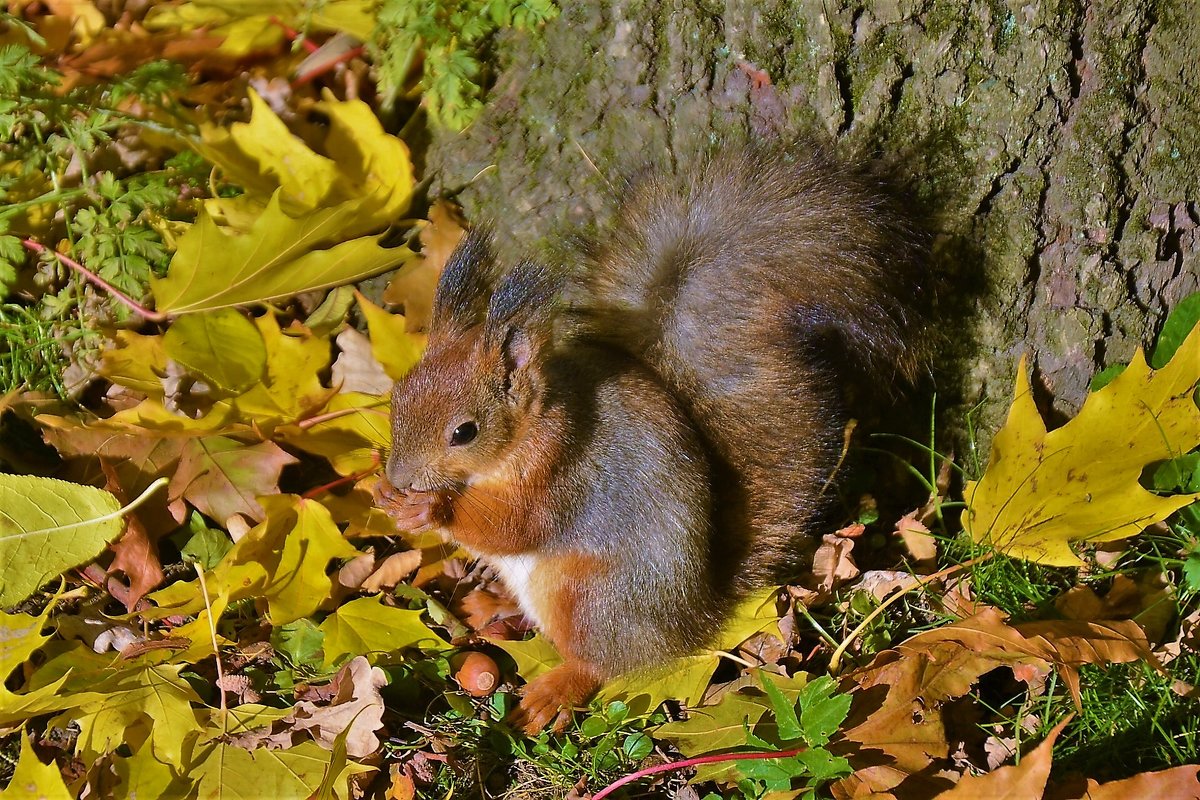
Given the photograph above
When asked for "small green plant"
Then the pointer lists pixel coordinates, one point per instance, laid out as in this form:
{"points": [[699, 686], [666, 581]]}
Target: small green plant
{"points": [[81, 181], [445, 38]]}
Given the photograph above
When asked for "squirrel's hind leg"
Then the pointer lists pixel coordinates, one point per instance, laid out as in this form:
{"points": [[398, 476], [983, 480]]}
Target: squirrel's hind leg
{"points": [[554, 696]]}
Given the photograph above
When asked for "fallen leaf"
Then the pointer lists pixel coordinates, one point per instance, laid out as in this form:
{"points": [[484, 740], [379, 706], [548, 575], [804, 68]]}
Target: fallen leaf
{"points": [[832, 563], [356, 710], [1024, 781], [356, 369], [394, 569], [412, 287], [1065, 644], [48, 526], [916, 537], [33, 779], [1043, 490], [366, 626], [279, 256], [1178, 782], [394, 347], [222, 346], [222, 476]]}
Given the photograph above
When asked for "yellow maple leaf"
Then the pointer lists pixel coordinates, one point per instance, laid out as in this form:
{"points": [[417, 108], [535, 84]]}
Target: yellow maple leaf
{"points": [[1079, 483]]}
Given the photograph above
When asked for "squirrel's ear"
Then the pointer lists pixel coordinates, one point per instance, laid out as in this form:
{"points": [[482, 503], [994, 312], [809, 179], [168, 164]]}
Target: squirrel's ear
{"points": [[520, 315], [460, 300]]}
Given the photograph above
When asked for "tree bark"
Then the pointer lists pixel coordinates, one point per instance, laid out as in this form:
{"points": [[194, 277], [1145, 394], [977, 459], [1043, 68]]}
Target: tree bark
{"points": [[1058, 145]]}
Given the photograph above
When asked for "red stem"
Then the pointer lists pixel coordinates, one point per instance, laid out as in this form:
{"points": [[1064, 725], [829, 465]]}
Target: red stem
{"points": [[293, 34], [317, 72], [316, 490], [690, 762], [126, 300]]}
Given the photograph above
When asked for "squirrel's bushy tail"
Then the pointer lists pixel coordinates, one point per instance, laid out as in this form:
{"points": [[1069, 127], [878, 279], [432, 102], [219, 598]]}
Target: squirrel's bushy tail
{"points": [[756, 284]]}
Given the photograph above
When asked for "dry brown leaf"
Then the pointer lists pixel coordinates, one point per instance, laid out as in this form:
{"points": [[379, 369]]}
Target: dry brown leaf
{"points": [[891, 733], [832, 564], [355, 369], [394, 569], [136, 554], [1024, 781], [357, 706], [916, 537], [879, 583], [413, 286], [1177, 782], [1066, 644], [356, 570]]}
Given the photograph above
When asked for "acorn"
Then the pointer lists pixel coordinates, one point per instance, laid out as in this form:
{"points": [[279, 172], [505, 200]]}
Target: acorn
{"points": [[476, 673]]}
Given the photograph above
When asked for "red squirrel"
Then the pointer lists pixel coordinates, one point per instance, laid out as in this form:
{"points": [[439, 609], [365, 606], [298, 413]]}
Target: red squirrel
{"points": [[635, 443]]}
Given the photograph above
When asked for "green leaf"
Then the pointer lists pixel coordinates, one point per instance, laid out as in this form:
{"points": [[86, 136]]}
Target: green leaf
{"points": [[222, 346], [48, 526], [365, 626], [785, 713], [637, 746], [1178, 475], [1191, 571], [822, 710], [278, 256], [206, 546], [154, 700], [1106, 376], [1179, 324]]}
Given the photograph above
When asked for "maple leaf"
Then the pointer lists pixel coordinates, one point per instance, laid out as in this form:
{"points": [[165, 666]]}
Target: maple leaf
{"points": [[1043, 490], [222, 477], [48, 526], [228, 772], [154, 700], [136, 361], [283, 560], [366, 625], [309, 233], [356, 710], [222, 346], [1181, 781], [394, 347], [143, 775], [279, 256], [1065, 644], [413, 286], [32, 778]]}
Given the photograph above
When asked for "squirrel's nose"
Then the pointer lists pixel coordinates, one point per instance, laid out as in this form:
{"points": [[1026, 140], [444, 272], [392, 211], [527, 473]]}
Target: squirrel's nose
{"points": [[400, 471]]}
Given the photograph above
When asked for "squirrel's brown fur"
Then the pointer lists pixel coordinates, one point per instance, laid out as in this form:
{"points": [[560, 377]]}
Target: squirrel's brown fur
{"points": [[758, 285], [635, 465]]}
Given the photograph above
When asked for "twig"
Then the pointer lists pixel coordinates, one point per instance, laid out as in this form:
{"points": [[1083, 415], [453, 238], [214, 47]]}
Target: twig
{"points": [[835, 661], [212, 632], [691, 762], [124, 299]]}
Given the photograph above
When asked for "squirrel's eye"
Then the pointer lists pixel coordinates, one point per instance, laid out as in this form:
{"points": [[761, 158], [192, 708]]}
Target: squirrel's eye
{"points": [[464, 434]]}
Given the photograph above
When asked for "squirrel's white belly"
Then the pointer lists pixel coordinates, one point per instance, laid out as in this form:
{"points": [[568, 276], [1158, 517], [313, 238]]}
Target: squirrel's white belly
{"points": [[518, 575]]}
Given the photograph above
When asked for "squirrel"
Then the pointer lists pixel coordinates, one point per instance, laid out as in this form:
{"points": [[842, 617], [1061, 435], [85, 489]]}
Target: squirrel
{"points": [[637, 443]]}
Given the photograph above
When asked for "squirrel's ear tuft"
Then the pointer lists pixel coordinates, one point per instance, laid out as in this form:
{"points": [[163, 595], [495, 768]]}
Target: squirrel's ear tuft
{"points": [[525, 299], [466, 282]]}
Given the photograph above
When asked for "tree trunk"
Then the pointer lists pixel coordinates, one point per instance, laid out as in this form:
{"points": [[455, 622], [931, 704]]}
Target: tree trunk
{"points": [[1058, 145]]}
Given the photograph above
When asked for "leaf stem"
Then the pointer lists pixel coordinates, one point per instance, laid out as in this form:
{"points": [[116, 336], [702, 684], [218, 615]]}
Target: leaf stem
{"points": [[117, 294], [835, 661], [691, 762]]}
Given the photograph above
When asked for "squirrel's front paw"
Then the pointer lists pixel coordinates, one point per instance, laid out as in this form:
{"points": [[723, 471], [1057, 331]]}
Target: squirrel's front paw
{"points": [[553, 697], [413, 511]]}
